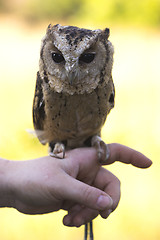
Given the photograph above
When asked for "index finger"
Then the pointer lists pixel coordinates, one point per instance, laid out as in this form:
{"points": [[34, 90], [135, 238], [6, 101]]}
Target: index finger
{"points": [[124, 154]]}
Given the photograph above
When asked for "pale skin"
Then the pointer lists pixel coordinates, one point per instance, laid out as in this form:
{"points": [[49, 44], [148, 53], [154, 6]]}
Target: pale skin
{"points": [[78, 184]]}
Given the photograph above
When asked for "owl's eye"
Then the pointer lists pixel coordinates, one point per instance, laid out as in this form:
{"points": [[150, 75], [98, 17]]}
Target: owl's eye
{"points": [[87, 57], [57, 57]]}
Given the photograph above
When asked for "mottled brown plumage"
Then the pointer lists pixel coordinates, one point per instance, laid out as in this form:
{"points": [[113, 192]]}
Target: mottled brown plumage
{"points": [[74, 89]]}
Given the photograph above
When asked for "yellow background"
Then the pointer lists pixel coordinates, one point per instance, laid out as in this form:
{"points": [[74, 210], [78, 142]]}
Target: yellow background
{"points": [[135, 122]]}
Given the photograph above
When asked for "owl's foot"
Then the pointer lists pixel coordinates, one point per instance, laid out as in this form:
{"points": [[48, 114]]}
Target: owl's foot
{"points": [[58, 148], [101, 147]]}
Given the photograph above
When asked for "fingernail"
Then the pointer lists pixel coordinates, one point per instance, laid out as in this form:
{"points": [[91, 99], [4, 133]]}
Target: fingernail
{"points": [[104, 202]]}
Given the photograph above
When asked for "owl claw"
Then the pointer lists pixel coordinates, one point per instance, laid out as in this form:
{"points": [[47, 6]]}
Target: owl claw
{"points": [[102, 149], [58, 148]]}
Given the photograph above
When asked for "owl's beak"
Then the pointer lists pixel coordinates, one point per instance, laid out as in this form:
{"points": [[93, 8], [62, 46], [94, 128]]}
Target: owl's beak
{"points": [[71, 77]]}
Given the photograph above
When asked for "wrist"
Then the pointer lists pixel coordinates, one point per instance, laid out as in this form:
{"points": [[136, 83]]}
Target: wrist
{"points": [[6, 191]]}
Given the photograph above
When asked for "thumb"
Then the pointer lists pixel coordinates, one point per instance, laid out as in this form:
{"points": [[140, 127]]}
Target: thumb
{"points": [[85, 194]]}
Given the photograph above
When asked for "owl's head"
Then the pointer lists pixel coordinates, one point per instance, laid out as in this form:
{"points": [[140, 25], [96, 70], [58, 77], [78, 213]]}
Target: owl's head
{"points": [[75, 60]]}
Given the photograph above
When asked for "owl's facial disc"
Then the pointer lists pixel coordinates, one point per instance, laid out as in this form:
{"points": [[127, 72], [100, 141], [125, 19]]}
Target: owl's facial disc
{"points": [[72, 67]]}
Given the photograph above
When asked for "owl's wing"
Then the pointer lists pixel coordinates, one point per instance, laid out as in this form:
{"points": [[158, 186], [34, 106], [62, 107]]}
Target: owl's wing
{"points": [[38, 109], [112, 93]]}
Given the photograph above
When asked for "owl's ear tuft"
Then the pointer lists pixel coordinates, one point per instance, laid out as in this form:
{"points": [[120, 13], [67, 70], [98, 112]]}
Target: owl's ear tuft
{"points": [[49, 29], [106, 33]]}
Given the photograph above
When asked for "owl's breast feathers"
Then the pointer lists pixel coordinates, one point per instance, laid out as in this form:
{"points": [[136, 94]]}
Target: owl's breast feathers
{"points": [[72, 118]]}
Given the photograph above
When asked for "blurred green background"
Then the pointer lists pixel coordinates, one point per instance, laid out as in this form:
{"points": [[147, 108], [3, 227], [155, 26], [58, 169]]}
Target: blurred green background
{"points": [[135, 120]]}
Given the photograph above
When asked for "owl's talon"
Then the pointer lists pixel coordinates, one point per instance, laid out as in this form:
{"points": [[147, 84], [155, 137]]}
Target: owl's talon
{"points": [[56, 155], [102, 149], [58, 148]]}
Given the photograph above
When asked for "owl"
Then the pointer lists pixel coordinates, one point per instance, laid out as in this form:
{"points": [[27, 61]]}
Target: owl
{"points": [[74, 89]]}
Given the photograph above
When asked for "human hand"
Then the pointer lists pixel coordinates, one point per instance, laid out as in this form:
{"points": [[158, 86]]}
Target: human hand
{"points": [[78, 184]]}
